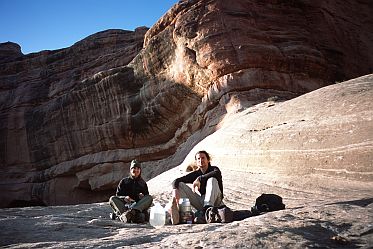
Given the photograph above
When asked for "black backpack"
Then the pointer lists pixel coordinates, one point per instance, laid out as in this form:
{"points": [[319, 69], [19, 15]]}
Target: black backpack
{"points": [[267, 203]]}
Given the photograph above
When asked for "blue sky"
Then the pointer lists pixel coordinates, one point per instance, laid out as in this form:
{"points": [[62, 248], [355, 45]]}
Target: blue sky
{"points": [[52, 24]]}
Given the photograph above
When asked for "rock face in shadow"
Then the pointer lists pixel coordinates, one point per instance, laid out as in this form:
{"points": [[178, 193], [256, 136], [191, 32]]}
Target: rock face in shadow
{"points": [[50, 116], [72, 119]]}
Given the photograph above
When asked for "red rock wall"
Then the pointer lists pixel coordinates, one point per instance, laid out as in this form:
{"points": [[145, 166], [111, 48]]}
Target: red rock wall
{"points": [[50, 116]]}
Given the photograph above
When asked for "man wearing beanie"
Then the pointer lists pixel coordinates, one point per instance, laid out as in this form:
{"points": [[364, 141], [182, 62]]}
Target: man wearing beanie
{"points": [[132, 199]]}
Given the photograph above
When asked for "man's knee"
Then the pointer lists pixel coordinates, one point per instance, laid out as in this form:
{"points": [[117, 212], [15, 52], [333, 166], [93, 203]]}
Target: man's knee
{"points": [[182, 185], [148, 199], [213, 181], [112, 198], [213, 184]]}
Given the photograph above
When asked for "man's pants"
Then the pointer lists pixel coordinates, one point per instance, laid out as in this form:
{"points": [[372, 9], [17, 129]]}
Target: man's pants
{"points": [[213, 196], [119, 205]]}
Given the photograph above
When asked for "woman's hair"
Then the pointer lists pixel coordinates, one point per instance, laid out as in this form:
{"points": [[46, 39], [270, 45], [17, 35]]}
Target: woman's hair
{"points": [[203, 152]]}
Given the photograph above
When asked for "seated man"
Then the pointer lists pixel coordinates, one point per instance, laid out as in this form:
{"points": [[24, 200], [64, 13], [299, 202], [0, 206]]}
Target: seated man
{"points": [[207, 179], [132, 199]]}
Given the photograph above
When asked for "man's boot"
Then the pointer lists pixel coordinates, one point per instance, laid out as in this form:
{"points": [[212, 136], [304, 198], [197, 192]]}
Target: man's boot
{"points": [[128, 216]]}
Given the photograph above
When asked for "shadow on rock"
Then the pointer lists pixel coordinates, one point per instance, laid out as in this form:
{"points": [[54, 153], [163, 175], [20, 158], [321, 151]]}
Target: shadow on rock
{"points": [[361, 203]]}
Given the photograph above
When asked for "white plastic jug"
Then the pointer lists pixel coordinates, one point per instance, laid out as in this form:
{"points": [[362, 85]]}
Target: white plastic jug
{"points": [[157, 215]]}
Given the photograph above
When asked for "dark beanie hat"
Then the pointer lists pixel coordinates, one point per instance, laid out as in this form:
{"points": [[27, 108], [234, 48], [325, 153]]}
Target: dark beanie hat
{"points": [[134, 164]]}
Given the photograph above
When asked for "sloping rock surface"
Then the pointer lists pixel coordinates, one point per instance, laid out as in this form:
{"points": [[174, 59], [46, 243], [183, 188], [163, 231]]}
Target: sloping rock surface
{"points": [[326, 132], [72, 119]]}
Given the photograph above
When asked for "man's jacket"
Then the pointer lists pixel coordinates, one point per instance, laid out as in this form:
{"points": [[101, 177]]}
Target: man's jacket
{"points": [[132, 187]]}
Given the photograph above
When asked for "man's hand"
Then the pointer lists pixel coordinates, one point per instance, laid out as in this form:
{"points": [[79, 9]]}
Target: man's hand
{"points": [[196, 184], [128, 199]]}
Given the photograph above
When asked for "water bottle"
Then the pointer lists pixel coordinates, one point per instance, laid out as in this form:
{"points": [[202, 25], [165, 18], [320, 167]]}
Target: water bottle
{"points": [[186, 213], [157, 215]]}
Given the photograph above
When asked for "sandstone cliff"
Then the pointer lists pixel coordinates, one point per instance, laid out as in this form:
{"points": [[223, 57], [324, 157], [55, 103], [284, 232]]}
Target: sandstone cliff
{"points": [[72, 119], [37, 128]]}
